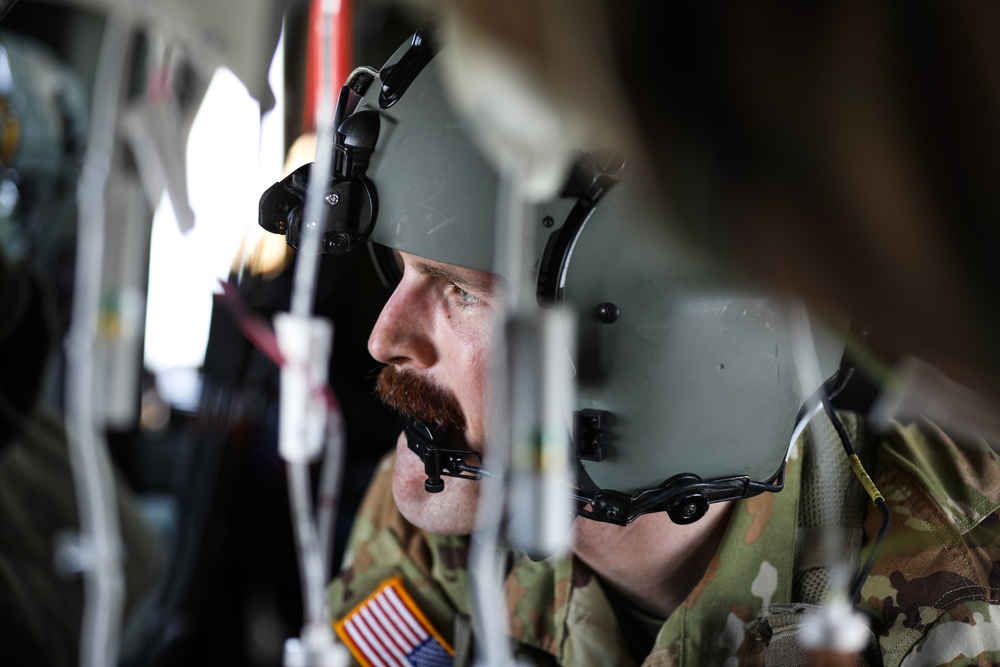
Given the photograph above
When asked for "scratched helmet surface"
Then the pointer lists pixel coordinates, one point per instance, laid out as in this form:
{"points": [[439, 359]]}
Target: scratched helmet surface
{"points": [[437, 192]]}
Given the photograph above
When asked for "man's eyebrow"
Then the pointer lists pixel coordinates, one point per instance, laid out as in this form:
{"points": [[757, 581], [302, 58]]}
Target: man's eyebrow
{"points": [[478, 281]]}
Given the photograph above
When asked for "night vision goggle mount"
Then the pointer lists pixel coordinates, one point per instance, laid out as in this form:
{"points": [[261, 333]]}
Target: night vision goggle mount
{"points": [[350, 202]]}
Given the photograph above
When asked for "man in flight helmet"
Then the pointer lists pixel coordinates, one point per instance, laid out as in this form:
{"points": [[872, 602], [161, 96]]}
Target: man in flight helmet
{"points": [[687, 395]]}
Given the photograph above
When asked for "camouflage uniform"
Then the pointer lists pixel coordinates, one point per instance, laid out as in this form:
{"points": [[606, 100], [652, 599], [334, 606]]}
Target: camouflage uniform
{"points": [[933, 594]]}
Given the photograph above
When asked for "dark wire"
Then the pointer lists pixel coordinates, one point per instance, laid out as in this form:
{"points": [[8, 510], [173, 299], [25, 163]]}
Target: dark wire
{"points": [[845, 438], [845, 441], [882, 532]]}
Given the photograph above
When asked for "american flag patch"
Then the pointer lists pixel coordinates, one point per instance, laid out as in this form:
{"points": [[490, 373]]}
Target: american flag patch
{"points": [[388, 630]]}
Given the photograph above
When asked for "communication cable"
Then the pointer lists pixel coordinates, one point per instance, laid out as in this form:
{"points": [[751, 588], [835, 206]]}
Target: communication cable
{"points": [[838, 632], [100, 545], [316, 646]]}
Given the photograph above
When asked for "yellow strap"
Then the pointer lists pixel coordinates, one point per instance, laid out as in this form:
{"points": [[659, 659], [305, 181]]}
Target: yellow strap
{"points": [[866, 481]]}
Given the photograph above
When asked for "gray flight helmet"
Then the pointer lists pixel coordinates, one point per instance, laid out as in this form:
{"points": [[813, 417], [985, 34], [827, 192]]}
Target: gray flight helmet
{"points": [[687, 383], [440, 195]]}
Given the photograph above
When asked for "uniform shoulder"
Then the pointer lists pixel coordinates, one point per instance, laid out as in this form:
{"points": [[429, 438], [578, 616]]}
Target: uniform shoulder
{"points": [[938, 566], [962, 478]]}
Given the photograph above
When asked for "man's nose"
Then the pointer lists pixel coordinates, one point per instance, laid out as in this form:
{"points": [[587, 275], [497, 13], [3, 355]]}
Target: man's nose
{"points": [[401, 335]]}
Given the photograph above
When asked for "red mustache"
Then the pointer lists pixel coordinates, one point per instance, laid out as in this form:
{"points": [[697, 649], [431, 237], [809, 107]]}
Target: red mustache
{"points": [[419, 398]]}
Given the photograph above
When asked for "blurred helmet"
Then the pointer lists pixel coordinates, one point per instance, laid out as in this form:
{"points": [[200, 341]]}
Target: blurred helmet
{"points": [[687, 385], [43, 132]]}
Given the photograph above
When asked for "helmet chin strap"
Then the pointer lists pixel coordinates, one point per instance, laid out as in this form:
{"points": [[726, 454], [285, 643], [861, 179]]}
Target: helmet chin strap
{"points": [[684, 497]]}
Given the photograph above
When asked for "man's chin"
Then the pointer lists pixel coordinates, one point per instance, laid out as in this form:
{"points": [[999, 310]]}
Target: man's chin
{"points": [[450, 512]]}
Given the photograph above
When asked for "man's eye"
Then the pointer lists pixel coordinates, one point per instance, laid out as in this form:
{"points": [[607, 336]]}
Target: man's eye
{"points": [[466, 297]]}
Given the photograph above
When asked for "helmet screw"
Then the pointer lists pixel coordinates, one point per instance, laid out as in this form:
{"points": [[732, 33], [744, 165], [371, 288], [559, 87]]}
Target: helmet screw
{"points": [[608, 313], [611, 512], [337, 244], [332, 198], [688, 508], [547, 221]]}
